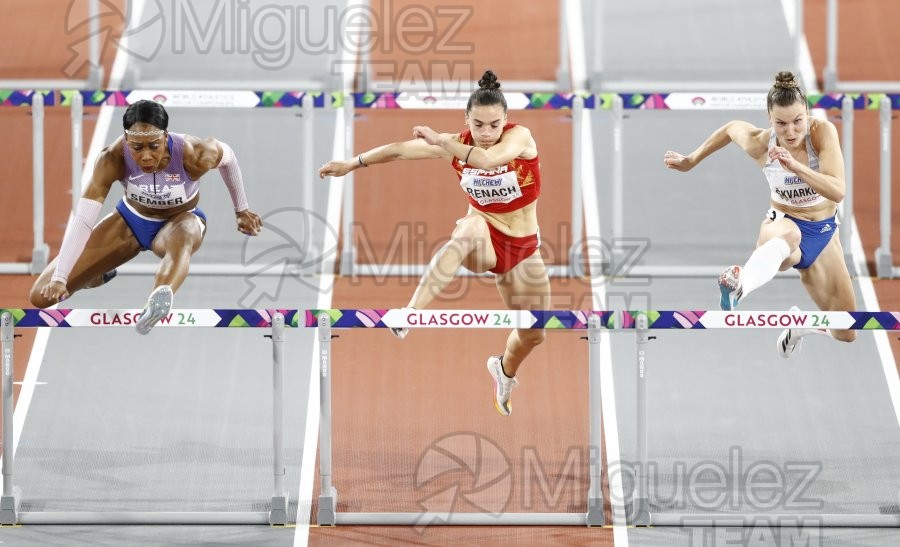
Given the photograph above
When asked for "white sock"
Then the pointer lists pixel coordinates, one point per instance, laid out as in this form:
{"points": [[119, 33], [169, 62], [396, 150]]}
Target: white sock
{"points": [[763, 264]]}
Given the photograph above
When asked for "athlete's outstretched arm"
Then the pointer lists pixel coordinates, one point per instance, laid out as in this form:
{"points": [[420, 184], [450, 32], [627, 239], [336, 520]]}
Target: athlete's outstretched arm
{"points": [[741, 133], [203, 155], [407, 150], [109, 167], [512, 145]]}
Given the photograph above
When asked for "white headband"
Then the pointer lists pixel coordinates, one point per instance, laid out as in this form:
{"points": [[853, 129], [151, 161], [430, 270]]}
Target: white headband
{"points": [[153, 133]]}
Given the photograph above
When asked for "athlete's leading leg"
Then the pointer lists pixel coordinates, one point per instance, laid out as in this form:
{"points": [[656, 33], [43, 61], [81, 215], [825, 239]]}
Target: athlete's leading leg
{"points": [[469, 246], [175, 243], [525, 287], [828, 283]]}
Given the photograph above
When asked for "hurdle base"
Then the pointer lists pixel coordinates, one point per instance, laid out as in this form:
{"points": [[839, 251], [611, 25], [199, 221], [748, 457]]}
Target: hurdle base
{"points": [[884, 263], [775, 520], [327, 513], [40, 257], [278, 514], [640, 512], [9, 508], [595, 516], [423, 519]]}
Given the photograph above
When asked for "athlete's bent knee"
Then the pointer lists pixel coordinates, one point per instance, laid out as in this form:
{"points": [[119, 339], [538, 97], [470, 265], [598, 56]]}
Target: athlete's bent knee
{"points": [[37, 299]]}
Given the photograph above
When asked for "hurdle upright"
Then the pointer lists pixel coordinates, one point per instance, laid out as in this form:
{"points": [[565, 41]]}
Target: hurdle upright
{"points": [[276, 320], [327, 320]]}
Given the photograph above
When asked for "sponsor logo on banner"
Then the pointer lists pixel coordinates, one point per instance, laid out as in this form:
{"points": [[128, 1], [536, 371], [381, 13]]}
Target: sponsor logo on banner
{"points": [[776, 320], [716, 101], [198, 99], [126, 318], [505, 319]]}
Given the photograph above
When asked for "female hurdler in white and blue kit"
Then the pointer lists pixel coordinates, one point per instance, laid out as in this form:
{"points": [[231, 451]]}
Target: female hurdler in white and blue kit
{"points": [[802, 161]]}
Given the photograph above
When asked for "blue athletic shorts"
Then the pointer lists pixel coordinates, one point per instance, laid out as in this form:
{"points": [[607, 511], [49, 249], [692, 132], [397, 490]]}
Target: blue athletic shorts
{"points": [[814, 236], [143, 228]]}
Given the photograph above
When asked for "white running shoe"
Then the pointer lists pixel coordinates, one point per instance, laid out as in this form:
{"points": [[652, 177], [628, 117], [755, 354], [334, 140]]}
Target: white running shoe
{"points": [[401, 332], [789, 341], [730, 287], [503, 384], [158, 306]]}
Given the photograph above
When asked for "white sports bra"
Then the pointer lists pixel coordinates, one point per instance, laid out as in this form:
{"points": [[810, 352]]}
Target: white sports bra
{"points": [[788, 188]]}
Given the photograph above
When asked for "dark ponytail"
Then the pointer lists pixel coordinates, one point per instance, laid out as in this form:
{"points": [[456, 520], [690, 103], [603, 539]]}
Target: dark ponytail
{"points": [[488, 92], [785, 92]]}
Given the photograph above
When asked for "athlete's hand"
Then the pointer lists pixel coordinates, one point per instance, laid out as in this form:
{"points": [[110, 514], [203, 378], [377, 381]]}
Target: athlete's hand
{"points": [[427, 134], [55, 291], [337, 168], [678, 162], [782, 156], [248, 222]]}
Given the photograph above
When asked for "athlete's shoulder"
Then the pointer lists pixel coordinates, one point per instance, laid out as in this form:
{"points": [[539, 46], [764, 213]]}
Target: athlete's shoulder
{"points": [[820, 129], [516, 129], [110, 163], [114, 153], [200, 152], [518, 133]]}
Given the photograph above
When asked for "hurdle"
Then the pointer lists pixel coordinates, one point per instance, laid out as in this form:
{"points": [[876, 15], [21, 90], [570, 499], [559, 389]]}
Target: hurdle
{"points": [[640, 323], [276, 320], [325, 321], [644, 321]]}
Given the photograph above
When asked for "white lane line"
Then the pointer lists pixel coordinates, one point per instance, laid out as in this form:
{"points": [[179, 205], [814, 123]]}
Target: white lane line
{"points": [[98, 141], [870, 303], [32, 369], [326, 284], [598, 286], [866, 287]]}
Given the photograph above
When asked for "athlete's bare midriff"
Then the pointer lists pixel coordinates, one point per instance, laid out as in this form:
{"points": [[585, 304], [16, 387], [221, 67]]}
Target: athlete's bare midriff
{"points": [[519, 223], [822, 211]]}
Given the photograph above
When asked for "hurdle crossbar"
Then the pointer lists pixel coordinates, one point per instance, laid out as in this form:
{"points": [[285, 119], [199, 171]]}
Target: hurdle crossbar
{"points": [[276, 320]]}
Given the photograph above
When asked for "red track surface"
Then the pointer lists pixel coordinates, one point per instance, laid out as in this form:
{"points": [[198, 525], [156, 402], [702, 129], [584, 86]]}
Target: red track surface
{"points": [[393, 399]]}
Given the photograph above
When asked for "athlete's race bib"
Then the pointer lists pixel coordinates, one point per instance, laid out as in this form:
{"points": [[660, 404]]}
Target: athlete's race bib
{"points": [[156, 197], [495, 186]]}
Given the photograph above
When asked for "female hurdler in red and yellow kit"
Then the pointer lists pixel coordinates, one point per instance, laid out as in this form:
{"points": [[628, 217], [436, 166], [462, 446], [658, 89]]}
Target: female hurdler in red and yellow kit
{"points": [[497, 165]]}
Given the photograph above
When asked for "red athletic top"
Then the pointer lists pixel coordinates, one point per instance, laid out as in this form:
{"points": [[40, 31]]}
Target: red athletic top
{"points": [[503, 189]]}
